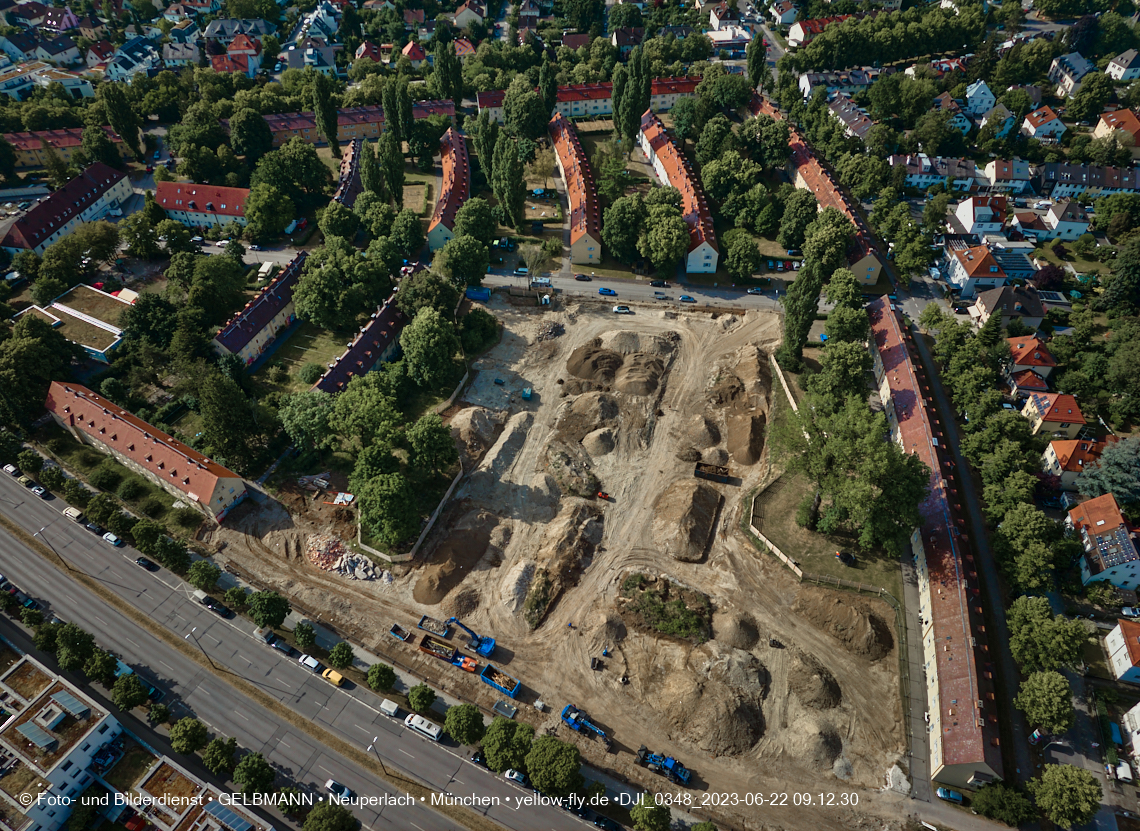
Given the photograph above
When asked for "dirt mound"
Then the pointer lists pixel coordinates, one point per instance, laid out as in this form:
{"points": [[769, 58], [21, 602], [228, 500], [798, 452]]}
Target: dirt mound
{"points": [[587, 413], [464, 603], [745, 437], [570, 467], [600, 442], [714, 456], [684, 517], [566, 548], [850, 619], [726, 391], [576, 386], [593, 363], [455, 557], [516, 584], [612, 628], [715, 701], [484, 481], [813, 683], [702, 432], [640, 374], [474, 430], [735, 629], [689, 454], [627, 342]]}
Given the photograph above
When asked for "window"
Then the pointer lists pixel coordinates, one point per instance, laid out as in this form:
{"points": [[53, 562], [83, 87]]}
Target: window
{"points": [[103, 729], [65, 766]]}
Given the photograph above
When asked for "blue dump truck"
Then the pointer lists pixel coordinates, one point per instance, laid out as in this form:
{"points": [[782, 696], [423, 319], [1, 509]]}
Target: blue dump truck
{"points": [[500, 681], [578, 721], [667, 766]]}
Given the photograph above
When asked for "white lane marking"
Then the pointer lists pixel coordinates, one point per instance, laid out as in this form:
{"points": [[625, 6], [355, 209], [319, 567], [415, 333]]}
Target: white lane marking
{"points": [[168, 666], [325, 769], [238, 713], [406, 753], [458, 781]]}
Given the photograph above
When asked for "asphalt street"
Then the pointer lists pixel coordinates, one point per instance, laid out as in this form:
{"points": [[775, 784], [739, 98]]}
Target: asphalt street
{"points": [[349, 714]]}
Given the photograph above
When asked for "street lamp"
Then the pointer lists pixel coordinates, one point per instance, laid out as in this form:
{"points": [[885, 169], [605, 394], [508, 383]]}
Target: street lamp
{"points": [[40, 534], [200, 647], [372, 747]]}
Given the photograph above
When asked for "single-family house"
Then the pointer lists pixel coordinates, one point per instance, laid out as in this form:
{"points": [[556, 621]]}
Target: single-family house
{"points": [[312, 52], [20, 46], [972, 269], [584, 212], [922, 171], [1123, 647], [1124, 67], [369, 50], [59, 20], [1109, 542], [86, 198], [1055, 413], [59, 50], [1043, 123], [29, 15], [1068, 72], [464, 49], [201, 206], [469, 13], [850, 81], [529, 11], [1123, 120], [185, 31], [724, 15], [99, 52], [1030, 363], [625, 38], [414, 53], [1067, 459], [1020, 302], [91, 27], [1001, 119], [575, 41], [979, 98], [678, 32], [137, 55], [804, 31], [783, 13], [1009, 175], [981, 215], [455, 188], [413, 18]]}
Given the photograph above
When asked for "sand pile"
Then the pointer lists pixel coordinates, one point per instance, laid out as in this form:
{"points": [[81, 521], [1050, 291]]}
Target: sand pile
{"points": [[627, 342], [592, 363], [702, 432], [735, 629], [567, 547], [455, 557], [684, 519], [714, 456], [600, 442], [726, 391], [516, 584], [612, 628], [570, 466], [745, 437], [587, 413], [640, 374], [715, 701], [464, 603], [813, 683], [474, 430], [851, 620]]}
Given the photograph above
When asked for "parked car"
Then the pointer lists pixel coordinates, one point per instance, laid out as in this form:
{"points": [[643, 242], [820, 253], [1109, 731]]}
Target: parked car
{"points": [[756, 291], [659, 284], [310, 662], [623, 310], [583, 278], [478, 758], [338, 790], [606, 824], [685, 298], [145, 563], [254, 247], [25, 481], [515, 776], [607, 292], [218, 609], [111, 538], [40, 491], [11, 470], [93, 528], [333, 677], [1130, 611], [282, 645], [950, 796]]}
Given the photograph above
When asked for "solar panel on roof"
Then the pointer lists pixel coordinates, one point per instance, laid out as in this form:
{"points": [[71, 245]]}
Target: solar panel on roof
{"points": [[227, 817], [71, 705], [35, 734]]}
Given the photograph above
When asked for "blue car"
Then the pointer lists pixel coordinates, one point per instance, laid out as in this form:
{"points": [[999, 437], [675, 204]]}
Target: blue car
{"points": [[950, 796], [684, 298], [607, 292]]}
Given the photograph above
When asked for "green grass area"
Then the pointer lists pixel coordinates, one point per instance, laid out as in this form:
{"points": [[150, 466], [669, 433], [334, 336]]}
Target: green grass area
{"points": [[1082, 266], [1092, 653], [310, 344], [668, 607], [129, 769]]}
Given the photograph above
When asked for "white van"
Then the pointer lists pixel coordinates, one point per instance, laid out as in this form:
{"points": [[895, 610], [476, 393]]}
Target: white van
{"points": [[310, 662], [424, 727], [390, 708], [74, 514]]}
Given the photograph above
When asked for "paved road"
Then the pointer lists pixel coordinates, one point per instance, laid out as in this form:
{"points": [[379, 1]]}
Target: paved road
{"points": [[349, 714]]}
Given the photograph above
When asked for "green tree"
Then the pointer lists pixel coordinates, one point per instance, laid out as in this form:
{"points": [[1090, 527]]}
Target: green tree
{"points": [[254, 774], [188, 735], [305, 636], [371, 172], [743, 257], [1067, 795], [391, 160], [649, 817], [30, 461], [325, 110], [553, 766], [474, 219], [509, 184], [999, 801], [128, 692], [157, 714], [268, 608], [203, 575], [426, 289], [463, 260], [121, 114], [407, 233], [366, 411], [1116, 472], [388, 508], [73, 647], [429, 343], [1047, 701], [843, 372], [421, 697], [327, 816], [486, 138], [464, 723], [381, 677], [268, 212], [98, 147], [306, 418], [432, 447], [339, 221], [506, 744], [218, 757], [847, 324], [800, 210], [237, 597], [523, 110], [46, 633], [665, 238], [1038, 640], [250, 135], [295, 170], [172, 553], [229, 426], [340, 656]]}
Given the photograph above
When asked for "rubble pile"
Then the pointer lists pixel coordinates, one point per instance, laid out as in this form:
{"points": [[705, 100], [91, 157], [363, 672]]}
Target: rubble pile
{"points": [[550, 330], [324, 551]]}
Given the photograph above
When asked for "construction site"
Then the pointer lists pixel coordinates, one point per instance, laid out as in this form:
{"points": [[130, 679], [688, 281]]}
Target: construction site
{"points": [[611, 575]]}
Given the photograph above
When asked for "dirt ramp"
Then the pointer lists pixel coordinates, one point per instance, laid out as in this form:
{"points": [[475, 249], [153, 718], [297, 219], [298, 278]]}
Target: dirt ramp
{"points": [[640, 374], [455, 557], [591, 362], [850, 619], [567, 547], [474, 430], [812, 683], [684, 518], [735, 629], [745, 437], [628, 342]]}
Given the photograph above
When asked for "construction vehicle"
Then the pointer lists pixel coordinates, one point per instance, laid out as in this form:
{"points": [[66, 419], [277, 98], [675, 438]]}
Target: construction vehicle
{"points": [[500, 681], [667, 766], [717, 473], [577, 720], [479, 644]]}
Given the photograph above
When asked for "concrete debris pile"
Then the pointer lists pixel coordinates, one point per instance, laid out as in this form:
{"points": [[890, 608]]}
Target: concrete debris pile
{"points": [[359, 567], [324, 551], [550, 330]]}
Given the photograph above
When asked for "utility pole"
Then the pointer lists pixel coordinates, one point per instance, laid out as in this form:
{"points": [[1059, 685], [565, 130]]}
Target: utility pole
{"points": [[199, 643], [372, 747]]}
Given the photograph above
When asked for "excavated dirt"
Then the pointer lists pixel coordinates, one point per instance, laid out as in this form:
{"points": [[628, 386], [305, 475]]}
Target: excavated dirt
{"points": [[587, 413], [812, 683], [566, 548], [735, 629], [474, 430], [454, 558], [684, 517], [745, 438], [703, 432], [640, 375], [594, 364], [600, 442], [849, 619]]}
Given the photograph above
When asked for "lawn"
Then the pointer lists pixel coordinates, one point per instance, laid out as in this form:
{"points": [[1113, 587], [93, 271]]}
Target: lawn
{"points": [[1081, 265], [136, 761], [1092, 653], [310, 344]]}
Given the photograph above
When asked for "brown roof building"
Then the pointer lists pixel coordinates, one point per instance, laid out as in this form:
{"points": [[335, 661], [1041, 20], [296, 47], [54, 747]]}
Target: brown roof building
{"points": [[1110, 544], [575, 170], [1054, 412], [455, 188], [173, 466], [1069, 458]]}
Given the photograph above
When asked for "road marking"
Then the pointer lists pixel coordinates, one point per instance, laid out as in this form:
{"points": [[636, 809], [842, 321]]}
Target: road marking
{"points": [[128, 639], [239, 715], [100, 619], [406, 753], [325, 769], [285, 743], [415, 826], [458, 781], [168, 666]]}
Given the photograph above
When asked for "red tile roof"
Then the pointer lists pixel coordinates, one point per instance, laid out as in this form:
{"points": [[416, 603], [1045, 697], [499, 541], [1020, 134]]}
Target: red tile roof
{"points": [[243, 43], [203, 199], [413, 52], [366, 348], [370, 50], [1041, 117], [817, 24], [600, 91], [978, 261], [240, 329], [969, 729], [66, 137], [349, 184], [680, 174], [1130, 629], [413, 15], [585, 215], [1030, 351], [163, 456], [230, 63], [669, 86], [1125, 120], [456, 179], [1057, 407], [1105, 532], [103, 50], [61, 207], [1075, 455], [576, 41]]}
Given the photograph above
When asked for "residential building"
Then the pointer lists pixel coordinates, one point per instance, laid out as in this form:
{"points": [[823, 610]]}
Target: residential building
{"points": [[1013, 258], [170, 798], [1123, 647], [804, 31], [180, 54], [454, 190], [732, 39], [413, 18], [60, 50], [369, 50], [378, 341], [1065, 219], [137, 55], [944, 103], [1055, 413], [575, 41], [176, 12], [1067, 459], [596, 99], [783, 13], [624, 39], [201, 206], [1060, 180], [979, 98], [1109, 542], [940, 67], [1043, 123], [88, 317], [529, 11], [850, 81], [31, 148], [173, 466], [316, 53], [981, 215], [20, 46], [1010, 302], [91, 27], [18, 82], [1012, 176], [59, 20], [87, 197], [29, 15], [664, 93], [469, 13], [53, 733], [254, 329], [99, 52], [922, 171], [185, 31], [223, 31], [963, 713], [1001, 119], [1032, 90], [856, 123], [1030, 365], [1123, 120], [581, 195], [723, 16], [352, 122], [973, 269], [1124, 67], [678, 32], [674, 170], [147, 30], [464, 49], [1068, 71], [243, 56], [349, 184], [414, 53]]}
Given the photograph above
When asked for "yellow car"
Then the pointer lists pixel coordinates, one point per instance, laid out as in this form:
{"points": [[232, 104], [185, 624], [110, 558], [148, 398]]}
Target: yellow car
{"points": [[333, 677]]}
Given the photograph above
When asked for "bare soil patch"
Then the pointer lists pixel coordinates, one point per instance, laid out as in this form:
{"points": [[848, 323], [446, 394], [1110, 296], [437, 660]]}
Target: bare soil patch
{"points": [[854, 621], [685, 514]]}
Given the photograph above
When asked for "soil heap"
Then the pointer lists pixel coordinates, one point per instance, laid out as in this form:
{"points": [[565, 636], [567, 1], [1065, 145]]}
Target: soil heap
{"points": [[850, 620], [812, 683], [684, 518]]}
